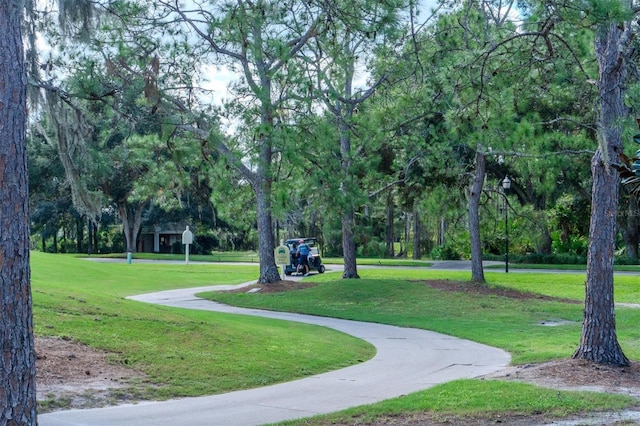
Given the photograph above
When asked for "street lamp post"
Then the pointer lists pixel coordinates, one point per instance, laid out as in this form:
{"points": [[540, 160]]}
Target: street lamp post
{"points": [[506, 184]]}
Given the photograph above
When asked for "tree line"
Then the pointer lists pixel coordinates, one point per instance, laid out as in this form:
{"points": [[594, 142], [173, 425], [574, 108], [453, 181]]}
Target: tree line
{"points": [[411, 156]]}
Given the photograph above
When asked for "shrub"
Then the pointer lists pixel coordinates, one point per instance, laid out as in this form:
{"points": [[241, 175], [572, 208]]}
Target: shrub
{"points": [[176, 247], [544, 259], [206, 242], [445, 252], [624, 260]]}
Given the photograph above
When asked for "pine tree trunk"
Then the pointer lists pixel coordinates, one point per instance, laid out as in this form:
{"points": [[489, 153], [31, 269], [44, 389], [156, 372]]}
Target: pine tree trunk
{"points": [[262, 185], [96, 238], [477, 271], [442, 230], [17, 372], [389, 237], [417, 236], [347, 185], [89, 236], [599, 342], [349, 245], [268, 270], [79, 233]]}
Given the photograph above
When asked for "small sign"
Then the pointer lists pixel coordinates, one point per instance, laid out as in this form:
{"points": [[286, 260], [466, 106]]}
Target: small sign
{"points": [[187, 236], [282, 255], [187, 239]]}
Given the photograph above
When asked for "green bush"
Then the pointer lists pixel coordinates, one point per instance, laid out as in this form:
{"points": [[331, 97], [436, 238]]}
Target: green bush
{"points": [[176, 248], [65, 246], [570, 244], [624, 260], [111, 240], [373, 248], [541, 259], [206, 241], [445, 252]]}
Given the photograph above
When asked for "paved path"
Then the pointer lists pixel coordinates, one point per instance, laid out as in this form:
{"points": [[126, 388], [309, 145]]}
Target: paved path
{"points": [[407, 360]]}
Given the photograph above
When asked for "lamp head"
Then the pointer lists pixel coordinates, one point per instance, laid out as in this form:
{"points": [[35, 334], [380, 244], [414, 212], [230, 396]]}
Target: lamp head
{"points": [[506, 183]]}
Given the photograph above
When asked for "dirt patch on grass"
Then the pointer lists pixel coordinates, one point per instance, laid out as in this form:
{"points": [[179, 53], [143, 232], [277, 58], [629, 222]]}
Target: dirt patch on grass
{"points": [[277, 287], [485, 290], [574, 374], [72, 375]]}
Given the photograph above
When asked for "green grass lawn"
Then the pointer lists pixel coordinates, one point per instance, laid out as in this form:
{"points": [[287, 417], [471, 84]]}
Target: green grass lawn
{"points": [[619, 268], [231, 256], [252, 257], [380, 262], [474, 402], [187, 353], [182, 352], [402, 298], [511, 324]]}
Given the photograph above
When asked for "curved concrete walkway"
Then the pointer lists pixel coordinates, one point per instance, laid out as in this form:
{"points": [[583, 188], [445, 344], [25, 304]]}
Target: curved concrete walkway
{"points": [[407, 360]]}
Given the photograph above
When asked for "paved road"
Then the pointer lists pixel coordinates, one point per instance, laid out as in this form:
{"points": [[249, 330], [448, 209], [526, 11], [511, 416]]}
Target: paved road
{"points": [[407, 360]]}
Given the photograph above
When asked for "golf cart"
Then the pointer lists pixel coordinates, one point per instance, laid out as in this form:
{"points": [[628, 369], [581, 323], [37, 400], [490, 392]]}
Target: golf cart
{"points": [[315, 263]]}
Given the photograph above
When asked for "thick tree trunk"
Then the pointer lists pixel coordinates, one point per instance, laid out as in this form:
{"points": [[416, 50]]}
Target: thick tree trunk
{"points": [[18, 371], [544, 245], [348, 217], [349, 245], [347, 186], [477, 271], [262, 184], [268, 270], [599, 342], [131, 222], [348, 237]]}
